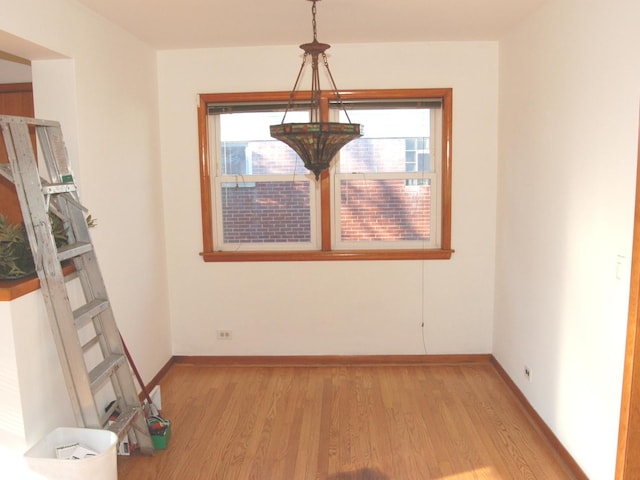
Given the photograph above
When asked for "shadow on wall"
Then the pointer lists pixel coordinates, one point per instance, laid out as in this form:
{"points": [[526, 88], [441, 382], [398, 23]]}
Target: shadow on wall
{"points": [[364, 474]]}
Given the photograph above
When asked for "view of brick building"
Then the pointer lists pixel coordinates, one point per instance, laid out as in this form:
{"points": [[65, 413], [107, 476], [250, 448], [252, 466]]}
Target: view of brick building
{"points": [[255, 210]]}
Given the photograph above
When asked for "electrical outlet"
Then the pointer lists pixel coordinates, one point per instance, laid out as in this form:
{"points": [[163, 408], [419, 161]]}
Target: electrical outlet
{"points": [[224, 334], [527, 373]]}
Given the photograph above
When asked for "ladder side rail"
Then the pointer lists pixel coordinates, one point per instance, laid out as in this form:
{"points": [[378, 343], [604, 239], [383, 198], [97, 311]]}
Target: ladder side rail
{"points": [[56, 161], [59, 170], [140, 428], [105, 327], [24, 166], [89, 274], [27, 121], [91, 278], [48, 153], [123, 384], [52, 145], [93, 284], [68, 204]]}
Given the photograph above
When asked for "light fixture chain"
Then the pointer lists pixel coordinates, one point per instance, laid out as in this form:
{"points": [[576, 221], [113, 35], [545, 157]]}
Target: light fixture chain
{"points": [[335, 87], [292, 94], [315, 141], [313, 21]]}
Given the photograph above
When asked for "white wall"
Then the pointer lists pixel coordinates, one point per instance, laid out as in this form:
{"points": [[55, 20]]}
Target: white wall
{"points": [[41, 382], [33, 394], [569, 97], [316, 308], [13, 72], [101, 84]]}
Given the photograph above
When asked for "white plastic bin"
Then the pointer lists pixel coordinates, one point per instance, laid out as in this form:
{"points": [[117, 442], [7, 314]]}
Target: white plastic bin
{"points": [[41, 458]]}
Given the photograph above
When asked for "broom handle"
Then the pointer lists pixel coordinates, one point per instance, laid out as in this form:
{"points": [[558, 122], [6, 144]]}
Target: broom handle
{"points": [[135, 371]]}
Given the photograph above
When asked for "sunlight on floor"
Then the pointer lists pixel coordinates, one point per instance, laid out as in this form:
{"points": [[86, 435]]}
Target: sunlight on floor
{"points": [[484, 473]]}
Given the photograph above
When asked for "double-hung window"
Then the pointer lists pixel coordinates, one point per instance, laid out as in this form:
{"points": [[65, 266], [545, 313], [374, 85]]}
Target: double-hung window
{"points": [[386, 196], [258, 203]]}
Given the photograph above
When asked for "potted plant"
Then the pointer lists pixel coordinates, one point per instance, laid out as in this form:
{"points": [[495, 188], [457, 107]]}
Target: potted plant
{"points": [[16, 260]]}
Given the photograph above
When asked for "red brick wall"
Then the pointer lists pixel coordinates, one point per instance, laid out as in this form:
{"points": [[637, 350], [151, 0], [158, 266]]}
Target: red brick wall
{"points": [[384, 210], [372, 209], [266, 212]]}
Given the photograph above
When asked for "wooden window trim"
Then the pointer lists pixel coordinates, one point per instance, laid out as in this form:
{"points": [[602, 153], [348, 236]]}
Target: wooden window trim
{"points": [[444, 252]]}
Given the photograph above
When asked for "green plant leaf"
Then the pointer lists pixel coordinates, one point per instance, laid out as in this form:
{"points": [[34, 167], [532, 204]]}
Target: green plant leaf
{"points": [[16, 259]]}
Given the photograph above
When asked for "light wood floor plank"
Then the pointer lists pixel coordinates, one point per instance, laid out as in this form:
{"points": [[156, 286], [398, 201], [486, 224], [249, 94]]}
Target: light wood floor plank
{"points": [[422, 422]]}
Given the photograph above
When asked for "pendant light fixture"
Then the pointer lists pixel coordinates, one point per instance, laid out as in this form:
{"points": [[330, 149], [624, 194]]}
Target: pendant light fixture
{"points": [[316, 142]]}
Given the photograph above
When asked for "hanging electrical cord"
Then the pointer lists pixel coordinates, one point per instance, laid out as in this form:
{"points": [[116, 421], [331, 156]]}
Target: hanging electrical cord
{"points": [[422, 269], [158, 426], [422, 272]]}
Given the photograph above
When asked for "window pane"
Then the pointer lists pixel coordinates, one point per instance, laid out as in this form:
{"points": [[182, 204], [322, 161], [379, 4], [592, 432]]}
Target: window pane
{"points": [[385, 210], [248, 149], [269, 157], [234, 159], [395, 140], [266, 212]]}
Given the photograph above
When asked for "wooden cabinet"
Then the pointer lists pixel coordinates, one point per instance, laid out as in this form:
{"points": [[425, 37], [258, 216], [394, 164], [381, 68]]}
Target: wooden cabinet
{"points": [[15, 99]]}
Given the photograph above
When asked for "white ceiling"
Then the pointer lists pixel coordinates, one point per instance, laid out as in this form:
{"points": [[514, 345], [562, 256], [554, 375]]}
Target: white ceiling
{"points": [[175, 24]]}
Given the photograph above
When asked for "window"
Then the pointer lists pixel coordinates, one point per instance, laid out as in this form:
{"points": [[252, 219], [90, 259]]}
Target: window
{"points": [[417, 157], [387, 195], [236, 158]]}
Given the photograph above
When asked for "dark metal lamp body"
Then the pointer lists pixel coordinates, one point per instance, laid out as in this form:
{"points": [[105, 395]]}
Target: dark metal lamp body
{"points": [[316, 142]]}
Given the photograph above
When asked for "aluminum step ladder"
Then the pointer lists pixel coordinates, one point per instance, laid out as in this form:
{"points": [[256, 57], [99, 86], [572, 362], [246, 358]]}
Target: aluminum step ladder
{"points": [[96, 371]]}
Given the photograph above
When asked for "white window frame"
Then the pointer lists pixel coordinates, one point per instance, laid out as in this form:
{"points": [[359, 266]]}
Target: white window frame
{"points": [[250, 180], [434, 176]]}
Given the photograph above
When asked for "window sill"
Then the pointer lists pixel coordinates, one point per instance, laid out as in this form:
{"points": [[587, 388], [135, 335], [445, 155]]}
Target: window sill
{"points": [[12, 289], [293, 256]]}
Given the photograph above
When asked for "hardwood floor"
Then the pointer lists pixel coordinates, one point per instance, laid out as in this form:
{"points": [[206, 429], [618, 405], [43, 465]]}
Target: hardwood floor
{"points": [[447, 422]]}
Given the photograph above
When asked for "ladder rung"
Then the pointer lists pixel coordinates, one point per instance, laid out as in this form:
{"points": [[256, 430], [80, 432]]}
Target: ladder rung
{"points": [[6, 172], [86, 312], [70, 276], [73, 250], [59, 188], [104, 369], [123, 422], [112, 410], [90, 343]]}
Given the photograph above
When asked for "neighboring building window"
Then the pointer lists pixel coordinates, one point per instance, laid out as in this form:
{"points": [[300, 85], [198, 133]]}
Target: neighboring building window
{"points": [[417, 156], [236, 158], [387, 196]]}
